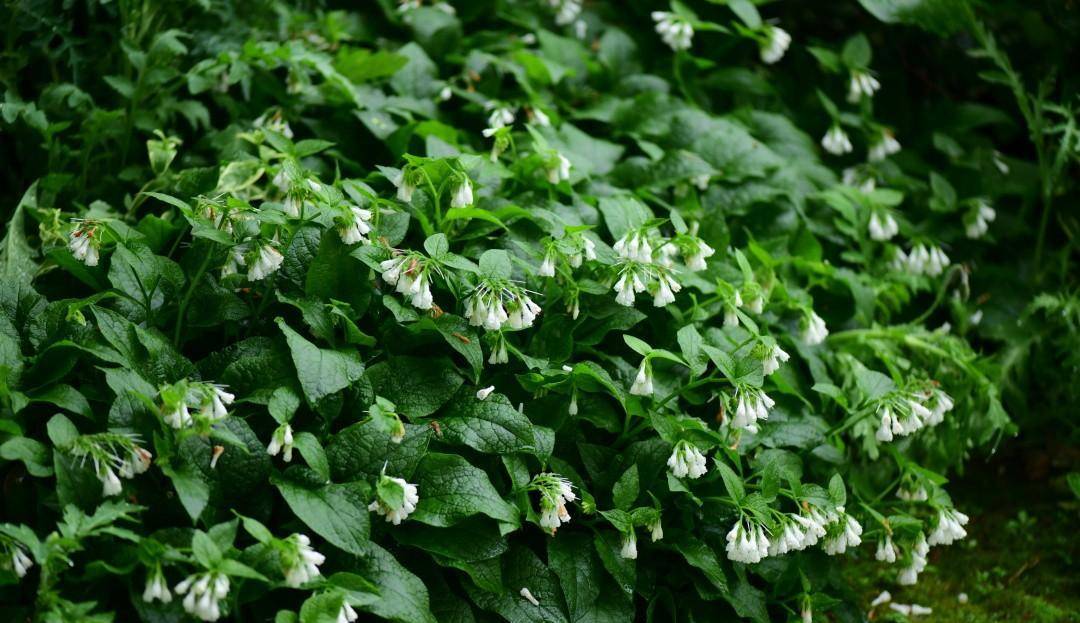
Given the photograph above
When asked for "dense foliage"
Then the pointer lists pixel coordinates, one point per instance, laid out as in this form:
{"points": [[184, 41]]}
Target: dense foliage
{"points": [[520, 309]]}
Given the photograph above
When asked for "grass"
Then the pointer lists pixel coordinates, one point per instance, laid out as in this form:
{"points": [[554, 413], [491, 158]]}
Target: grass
{"points": [[1019, 562]]}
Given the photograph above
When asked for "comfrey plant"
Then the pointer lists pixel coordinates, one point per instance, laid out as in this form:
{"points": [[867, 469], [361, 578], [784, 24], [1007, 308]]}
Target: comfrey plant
{"points": [[476, 311]]}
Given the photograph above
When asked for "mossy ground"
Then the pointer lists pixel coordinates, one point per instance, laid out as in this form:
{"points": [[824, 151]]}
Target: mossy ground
{"points": [[1021, 559]]}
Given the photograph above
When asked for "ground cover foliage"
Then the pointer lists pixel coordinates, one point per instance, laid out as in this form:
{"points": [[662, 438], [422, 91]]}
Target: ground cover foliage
{"points": [[519, 310]]}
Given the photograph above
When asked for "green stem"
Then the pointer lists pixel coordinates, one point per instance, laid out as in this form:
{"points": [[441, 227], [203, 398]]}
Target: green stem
{"points": [[182, 313]]}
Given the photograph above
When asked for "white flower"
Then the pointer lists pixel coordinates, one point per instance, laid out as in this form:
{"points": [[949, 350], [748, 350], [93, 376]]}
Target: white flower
{"points": [[807, 613], [883, 226], [862, 85], [445, 93], [20, 562], [405, 186], [558, 170], [937, 263], [547, 267], [791, 539], [391, 269], [848, 534], [394, 511], [179, 416], [656, 530], [267, 262], [836, 141], [304, 563], [774, 47], [555, 493], [347, 614], [918, 495], [814, 330], [643, 382], [219, 399], [627, 287], [634, 246], [884, 146], [82, 245], [884, 432], [813, 526], [528, 596], [942, 404], [773, 359], [884, 598], [463, 195], [281, 442], [156, 588], [500, 117], [910, 575], [629, 545], [110, 483], [204, 594], [484, 393], [356, 228], [949, 528], [747, 543], [696, 261], [665, 290], [977, 222], [293, 203], [919, 610], [687, 460], [752, 404], [674, 30], [568, 10], [886, 550], [588, 248]]}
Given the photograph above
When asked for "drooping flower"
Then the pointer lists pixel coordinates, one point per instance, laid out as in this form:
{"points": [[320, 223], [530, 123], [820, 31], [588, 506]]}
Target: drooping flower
{"points": [[405, 182], [500, 117], [949, 527], [558, 169], [354, 226], [861, 85], [792, 539], [84, 244], [628, 285], [909, 575], [687, 460], [394, 498], [634, 246], [695, 260], [301, 561], [463, 194], [884, 431], [886, 550], [977, 221], [843, 533], [267, 261], [281, 442], [643, 381], [774, 45], [156, 587], [883, 146], [629, 545], [941, 403], [547, 267], [882, 226], [814, 330], [747, 543], [20, 562], [752, 405], [674, 30], [773, 358], [203, 594], [656, 529], [665, 290], [836, 141], [347, 614], [555, 493]]}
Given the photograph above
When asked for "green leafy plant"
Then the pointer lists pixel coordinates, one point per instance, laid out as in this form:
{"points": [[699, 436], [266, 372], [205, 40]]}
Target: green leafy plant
{"points": [[530, 310]]}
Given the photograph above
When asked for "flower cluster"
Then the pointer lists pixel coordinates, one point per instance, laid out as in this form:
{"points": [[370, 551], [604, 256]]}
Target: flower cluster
{"points": [[156, 587], [494, 303], [883, 146], [394, 498], [20, 562], [203, 594], [949, 527], [300, 561], [752, 405], [84, 243], [836, 141], [190, 403], [555, 493], [747, 543], [281, 442], [687, 460], [114, 456], [410, 273], [909, 575], [903, 414], [813, 328], [774, 44], [977, 220], [882, 225], [843, 532], [922, 260], [674, 30], [861, 85]]}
